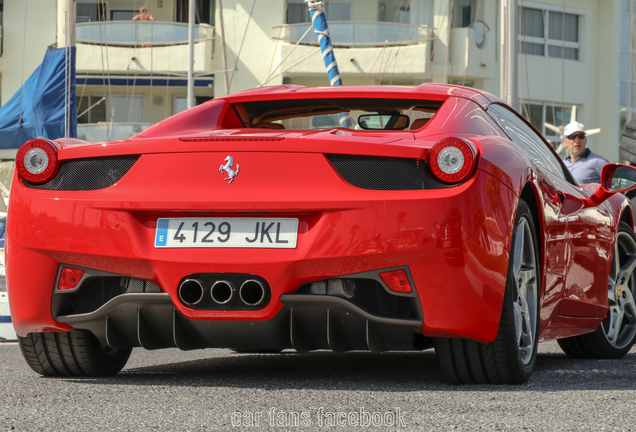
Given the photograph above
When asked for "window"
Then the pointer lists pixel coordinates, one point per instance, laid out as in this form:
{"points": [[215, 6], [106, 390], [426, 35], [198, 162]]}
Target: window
{"points": [[298, 11], [127, 109], [464, 12], [396, 10], [90, 11], [522, 135], [538, 114], [549, 33], [96, 113], [122, 15], [204, 12]]}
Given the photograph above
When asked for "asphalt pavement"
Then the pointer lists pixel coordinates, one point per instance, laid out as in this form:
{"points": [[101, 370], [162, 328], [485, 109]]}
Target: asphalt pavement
{"points": [[218, 390]]}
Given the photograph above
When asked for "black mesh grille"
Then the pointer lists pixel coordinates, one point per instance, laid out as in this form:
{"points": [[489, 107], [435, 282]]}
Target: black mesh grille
{"points": [[87, 174], [383, 173], [368, 294], [97, 291]]}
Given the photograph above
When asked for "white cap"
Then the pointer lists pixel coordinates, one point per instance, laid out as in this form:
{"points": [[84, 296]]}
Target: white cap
{"points": [[573, 128]]}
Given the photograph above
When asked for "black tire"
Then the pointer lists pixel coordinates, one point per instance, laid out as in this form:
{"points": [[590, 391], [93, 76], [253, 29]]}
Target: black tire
{"points": [[255, 351], [605, 342], [511, 357], [77, 353]]}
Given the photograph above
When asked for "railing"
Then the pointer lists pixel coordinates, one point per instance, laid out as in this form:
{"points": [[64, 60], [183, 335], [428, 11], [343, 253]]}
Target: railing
{"points": [[144, 33], [359, 34], [102, 132]]}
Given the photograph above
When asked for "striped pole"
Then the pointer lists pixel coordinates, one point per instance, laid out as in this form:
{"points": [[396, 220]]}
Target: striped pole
{"points": [[319, 20]]}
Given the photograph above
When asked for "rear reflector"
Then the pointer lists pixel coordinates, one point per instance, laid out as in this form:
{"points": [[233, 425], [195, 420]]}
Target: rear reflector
{"points": [[69, 278], [397, 281]]}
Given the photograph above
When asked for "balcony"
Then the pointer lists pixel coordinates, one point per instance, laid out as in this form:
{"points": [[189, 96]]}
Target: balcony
{"points": [[357, 34], [140, 33], [404, 49], [103, 132], [142, 46]]}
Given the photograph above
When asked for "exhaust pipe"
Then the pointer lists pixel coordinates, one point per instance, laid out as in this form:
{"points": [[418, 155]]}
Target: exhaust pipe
{"points": [[252, 292], [191, 292], [222, 292]]}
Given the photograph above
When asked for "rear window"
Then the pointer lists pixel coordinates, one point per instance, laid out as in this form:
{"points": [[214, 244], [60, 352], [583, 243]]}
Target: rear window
{"points": [[332, 113]]}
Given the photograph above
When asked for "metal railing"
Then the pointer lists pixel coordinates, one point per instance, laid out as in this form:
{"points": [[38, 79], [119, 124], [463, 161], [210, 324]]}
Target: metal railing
{"points": [[144, 33], [359, 34]]}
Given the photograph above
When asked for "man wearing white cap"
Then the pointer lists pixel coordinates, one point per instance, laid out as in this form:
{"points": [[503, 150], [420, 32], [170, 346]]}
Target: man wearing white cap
{"points": [[584, 165]]}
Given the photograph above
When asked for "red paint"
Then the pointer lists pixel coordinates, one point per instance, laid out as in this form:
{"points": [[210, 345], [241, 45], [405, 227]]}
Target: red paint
{"points": [[455, 241]]}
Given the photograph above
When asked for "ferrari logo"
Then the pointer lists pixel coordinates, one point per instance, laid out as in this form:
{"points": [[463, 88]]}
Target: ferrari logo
{"points": [[619, 291], [228, 169]]}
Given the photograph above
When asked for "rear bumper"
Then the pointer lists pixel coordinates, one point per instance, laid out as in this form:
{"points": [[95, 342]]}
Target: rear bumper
{"points": [[304, 323]]}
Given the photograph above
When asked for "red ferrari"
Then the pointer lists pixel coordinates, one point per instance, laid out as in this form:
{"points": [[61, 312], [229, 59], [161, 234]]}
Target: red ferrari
{"points": [[342, 218]]}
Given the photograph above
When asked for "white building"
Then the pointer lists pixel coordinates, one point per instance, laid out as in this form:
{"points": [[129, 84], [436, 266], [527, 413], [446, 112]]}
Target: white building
{"points": [[570, 53]]}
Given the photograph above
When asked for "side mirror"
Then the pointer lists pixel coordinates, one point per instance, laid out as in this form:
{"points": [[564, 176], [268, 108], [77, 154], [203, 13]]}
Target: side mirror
{"points": [[614, 178], [384, 121]]}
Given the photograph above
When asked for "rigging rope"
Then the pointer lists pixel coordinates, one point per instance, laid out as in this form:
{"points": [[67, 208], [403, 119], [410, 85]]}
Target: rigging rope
{"points": [[545, 36], [472, 41], [270, 77], [382, 51], [435, 40], [238, 55], [319, 19], [397, 49], [522, 105], [280, 31], [447, 55]]}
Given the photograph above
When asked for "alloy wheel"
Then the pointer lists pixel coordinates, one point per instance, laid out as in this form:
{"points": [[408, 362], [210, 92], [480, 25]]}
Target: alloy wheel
{"points": [[525, 304]]}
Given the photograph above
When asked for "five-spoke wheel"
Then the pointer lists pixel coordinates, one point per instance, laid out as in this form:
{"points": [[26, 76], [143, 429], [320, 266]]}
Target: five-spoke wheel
{"points": [[615, 336]]}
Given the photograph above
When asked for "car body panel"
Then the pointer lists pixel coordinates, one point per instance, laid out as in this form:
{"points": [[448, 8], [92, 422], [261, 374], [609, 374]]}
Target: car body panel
{"points": [[454, 242]]}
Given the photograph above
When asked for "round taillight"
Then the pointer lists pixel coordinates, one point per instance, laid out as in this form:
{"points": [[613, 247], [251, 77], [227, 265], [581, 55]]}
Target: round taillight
{"points": [[37, 160], [453, 160]]}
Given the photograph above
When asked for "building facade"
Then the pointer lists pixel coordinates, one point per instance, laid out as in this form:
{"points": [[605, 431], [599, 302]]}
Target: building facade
{"points": [[573, 56]]}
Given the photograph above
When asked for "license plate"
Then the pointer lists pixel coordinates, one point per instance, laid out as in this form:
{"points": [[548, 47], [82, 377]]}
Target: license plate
{"points": [[226, 233]]}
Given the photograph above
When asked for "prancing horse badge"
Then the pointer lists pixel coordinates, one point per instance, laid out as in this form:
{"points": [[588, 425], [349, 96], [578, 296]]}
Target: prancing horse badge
{"points": [[228, 169]]}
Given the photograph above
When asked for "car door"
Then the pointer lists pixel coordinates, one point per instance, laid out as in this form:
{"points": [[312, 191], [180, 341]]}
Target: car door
{"points": [[550, 178], [575, 263]]}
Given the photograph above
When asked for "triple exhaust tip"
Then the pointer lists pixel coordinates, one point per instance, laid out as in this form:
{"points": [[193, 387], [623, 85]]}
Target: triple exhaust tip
{"points": [[222, 292], [193, 291]]}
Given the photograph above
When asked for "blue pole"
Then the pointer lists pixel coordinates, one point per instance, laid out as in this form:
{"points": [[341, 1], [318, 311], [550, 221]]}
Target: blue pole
{"points": [[318, 18]]}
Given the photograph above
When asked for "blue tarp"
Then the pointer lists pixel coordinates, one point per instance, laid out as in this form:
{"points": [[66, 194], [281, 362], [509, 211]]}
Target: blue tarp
{"points": [[37, 109]]}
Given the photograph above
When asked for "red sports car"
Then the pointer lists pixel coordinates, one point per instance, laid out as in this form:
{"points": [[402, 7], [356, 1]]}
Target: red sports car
{"points": [[342, 218]]}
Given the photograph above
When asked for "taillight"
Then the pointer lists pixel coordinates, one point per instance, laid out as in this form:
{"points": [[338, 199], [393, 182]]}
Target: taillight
{"points": [[397, 281], [69, 278], [37, 160], [453, 160]]}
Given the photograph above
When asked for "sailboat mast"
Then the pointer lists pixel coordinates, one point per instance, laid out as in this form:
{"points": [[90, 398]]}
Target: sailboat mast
{"points": [[66, 39], [321, 28], [509, 19], [226, 81], [191, 19]]}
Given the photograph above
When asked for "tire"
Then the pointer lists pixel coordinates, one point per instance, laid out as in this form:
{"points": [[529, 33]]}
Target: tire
{"points": [[511, 357], [255, 351], [77, 353], [617, 333]]}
